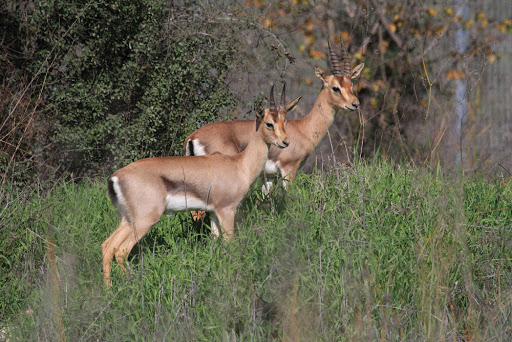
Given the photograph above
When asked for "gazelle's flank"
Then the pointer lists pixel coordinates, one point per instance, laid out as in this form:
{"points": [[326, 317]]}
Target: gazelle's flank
{"points": [[230, 137], [148, 188]]}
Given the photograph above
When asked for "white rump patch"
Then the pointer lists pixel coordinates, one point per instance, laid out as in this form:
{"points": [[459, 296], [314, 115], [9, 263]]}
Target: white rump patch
{"points": [[175, 203], [120, 203], [117, 190], [198, 148]]}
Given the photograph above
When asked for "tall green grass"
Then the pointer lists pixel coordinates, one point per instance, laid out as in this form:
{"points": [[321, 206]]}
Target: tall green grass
{"points": [[374, 252]]}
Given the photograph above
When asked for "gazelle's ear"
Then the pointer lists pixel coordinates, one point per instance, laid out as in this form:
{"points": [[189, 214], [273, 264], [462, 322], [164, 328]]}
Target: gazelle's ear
{"points": [[259, 117], [320, 73], [292, 104], [357, 71]]}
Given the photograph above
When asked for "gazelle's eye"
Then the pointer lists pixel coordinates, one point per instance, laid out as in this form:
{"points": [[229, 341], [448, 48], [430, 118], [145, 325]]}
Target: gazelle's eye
{"points": [[336, 90], [269, 125]]}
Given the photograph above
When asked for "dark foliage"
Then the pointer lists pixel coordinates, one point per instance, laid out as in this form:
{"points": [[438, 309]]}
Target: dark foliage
{"points": [[111, 82]]}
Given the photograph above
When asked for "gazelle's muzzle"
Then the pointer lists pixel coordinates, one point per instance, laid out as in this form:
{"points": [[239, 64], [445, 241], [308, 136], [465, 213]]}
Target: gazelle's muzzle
{"points": [[282, 143]]}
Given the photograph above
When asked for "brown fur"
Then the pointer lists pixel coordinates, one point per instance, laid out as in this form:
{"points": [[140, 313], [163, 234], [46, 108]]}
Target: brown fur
{"points": [[219, 181], [229, 137]]}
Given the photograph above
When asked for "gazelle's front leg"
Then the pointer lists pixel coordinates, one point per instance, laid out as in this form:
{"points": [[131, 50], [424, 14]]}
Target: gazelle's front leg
{"points": [[215, 225], [289, 172], [267, 185], [224, 220]]}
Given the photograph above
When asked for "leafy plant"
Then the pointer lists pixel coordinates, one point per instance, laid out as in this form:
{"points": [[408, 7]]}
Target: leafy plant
{"points": [[123, 84], [109, 83]]}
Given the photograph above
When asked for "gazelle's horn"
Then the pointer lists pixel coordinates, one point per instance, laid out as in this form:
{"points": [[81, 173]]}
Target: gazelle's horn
{"points": [[283, 96], [346, 59], [271, 100], [336, 68]]}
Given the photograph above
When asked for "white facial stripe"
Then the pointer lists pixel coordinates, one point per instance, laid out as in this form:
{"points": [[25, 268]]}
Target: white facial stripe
{"points": [[175, 203]]}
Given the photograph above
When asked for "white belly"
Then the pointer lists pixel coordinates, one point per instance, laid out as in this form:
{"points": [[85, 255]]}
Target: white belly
{"points": [[175, 203]]}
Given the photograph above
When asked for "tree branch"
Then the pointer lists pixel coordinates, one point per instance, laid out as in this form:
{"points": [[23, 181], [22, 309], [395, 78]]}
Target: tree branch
{"points": [[384, 21]]}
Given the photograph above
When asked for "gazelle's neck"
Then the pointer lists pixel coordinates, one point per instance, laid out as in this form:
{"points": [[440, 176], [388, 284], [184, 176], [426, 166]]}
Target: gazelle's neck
{"points": [[321, 117], [254, 156]]}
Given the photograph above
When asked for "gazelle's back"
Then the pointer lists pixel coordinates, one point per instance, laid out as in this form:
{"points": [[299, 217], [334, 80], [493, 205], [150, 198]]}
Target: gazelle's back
{"points": [[207, 140]]}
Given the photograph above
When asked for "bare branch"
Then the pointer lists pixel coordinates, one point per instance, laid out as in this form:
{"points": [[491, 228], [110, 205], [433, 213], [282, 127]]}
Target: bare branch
{"points": [[382, 17]]}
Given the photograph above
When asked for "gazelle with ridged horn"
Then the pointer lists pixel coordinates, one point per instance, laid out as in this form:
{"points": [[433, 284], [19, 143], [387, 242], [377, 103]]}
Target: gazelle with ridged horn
{"points": [[230, 137], [146, 189]]}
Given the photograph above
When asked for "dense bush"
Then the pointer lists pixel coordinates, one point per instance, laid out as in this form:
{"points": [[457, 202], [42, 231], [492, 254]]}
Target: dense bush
{"points": [[127, 83], [118, 80]]}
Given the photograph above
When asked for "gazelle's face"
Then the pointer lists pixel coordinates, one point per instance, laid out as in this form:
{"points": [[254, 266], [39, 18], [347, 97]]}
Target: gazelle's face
{"points": [[339, 88], [271, 121], [272, 127]]}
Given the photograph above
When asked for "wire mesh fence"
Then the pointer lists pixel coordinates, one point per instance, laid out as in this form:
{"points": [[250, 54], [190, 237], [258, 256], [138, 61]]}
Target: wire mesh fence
{"points": [[494, 112]]}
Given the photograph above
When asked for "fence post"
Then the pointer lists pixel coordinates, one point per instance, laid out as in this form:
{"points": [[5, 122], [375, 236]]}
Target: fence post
{"points": [[461, 96]]}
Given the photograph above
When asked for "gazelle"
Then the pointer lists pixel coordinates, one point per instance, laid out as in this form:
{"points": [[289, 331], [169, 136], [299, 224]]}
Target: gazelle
{"points": [[230, 137], [148, 188]]}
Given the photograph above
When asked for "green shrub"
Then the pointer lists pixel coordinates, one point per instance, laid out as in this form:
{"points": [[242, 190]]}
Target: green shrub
{"points": [[110, 82], [125, 82]]}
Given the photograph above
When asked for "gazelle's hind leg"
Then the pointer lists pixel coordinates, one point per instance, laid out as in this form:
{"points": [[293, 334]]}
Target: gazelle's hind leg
{"points": [[121, 242], [124, 249], [109, 246], [141, 228]]}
